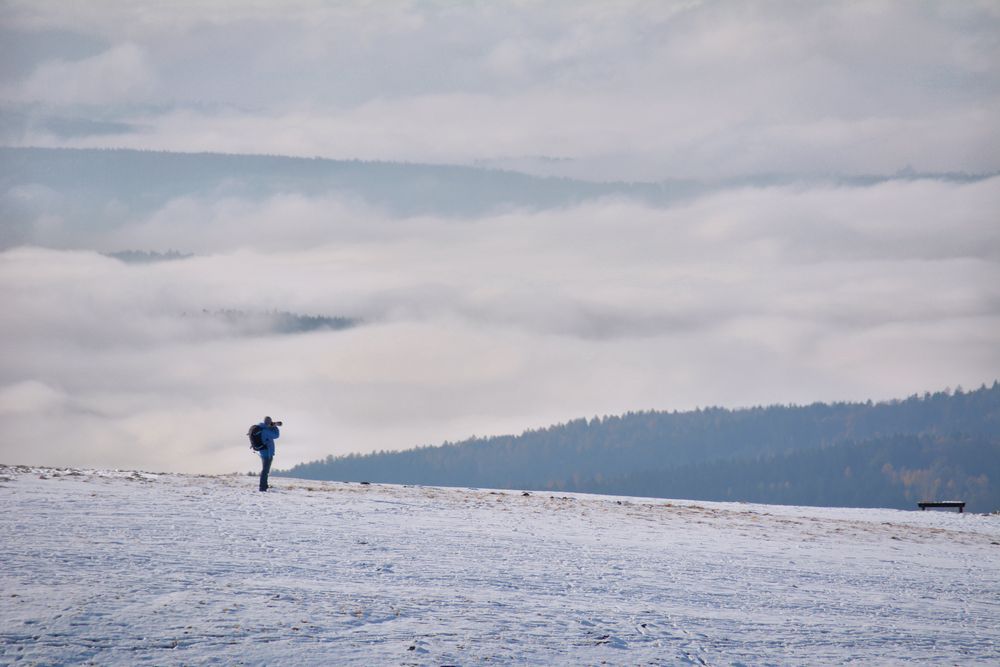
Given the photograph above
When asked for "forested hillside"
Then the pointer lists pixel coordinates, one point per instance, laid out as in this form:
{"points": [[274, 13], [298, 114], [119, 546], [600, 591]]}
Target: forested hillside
{"points": [[894, 471], [860, 454]]}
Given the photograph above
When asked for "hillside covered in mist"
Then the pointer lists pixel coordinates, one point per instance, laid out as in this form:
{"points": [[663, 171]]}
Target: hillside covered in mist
{"points": [[890, 454], [101, 189]]}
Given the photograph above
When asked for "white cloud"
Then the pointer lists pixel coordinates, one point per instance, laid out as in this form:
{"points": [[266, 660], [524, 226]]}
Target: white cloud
{"points": [[493, 325], [120, 75], [607, 139], [628, 90], [30, 397]]}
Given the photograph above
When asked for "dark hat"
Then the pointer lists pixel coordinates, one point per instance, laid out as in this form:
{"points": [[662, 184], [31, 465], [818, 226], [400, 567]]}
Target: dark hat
{"points": [[267, 420]]}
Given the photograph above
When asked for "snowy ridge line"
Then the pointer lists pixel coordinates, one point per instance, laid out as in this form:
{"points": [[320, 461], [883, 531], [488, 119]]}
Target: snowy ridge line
{"points": [[311, 485], [125, 567], [947, 524]]}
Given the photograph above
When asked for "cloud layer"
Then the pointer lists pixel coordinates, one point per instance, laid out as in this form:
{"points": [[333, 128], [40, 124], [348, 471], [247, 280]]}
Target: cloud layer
{"points": [[635, 90], [493, 325]]}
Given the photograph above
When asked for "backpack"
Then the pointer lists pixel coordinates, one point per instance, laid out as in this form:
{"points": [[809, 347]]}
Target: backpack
{"points": [[256, 442]]}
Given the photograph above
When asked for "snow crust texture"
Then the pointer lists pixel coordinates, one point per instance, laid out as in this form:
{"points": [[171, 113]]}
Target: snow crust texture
{"points": [[129, 568]]}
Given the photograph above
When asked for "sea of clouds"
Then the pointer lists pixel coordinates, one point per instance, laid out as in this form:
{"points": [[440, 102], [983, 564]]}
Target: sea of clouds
{"points": [[488, 325]]}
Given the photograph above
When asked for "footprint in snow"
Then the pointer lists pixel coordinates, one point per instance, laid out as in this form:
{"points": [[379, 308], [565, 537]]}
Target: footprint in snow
{"points": [[418, 646], [611, 641]]}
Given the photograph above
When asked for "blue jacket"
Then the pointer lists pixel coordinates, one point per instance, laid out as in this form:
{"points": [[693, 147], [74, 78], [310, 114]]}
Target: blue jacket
{"points": [[268, 434]]}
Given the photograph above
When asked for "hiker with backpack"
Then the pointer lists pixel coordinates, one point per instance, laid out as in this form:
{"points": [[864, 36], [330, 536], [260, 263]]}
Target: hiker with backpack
{"points": [[262, 437]]}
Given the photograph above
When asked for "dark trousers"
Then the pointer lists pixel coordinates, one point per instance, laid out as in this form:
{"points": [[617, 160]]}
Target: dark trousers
{"points": [[265, 467]]}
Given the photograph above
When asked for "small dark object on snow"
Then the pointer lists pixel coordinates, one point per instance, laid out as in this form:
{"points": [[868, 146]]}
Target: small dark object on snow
{"points": [[960, 504]]}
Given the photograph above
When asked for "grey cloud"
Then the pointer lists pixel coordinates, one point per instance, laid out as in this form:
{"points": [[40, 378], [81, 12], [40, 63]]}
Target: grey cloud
{"points": [[21, 51], [634, 90], [119, 75]]}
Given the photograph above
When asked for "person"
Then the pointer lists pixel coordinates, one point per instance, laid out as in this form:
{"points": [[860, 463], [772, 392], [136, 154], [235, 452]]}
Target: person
{"points": [[268, 434]]}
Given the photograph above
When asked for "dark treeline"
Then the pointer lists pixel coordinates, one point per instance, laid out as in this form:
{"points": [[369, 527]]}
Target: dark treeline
{"points": [[893, 471], [277, 322], [820, 454], [147, 256]]}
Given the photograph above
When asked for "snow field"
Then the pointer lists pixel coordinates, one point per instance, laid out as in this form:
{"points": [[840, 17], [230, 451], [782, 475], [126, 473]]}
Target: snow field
{"points": [[127, 568]]}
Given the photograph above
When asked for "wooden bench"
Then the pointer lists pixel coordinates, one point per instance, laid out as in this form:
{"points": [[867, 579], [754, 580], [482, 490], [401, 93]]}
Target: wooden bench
{"points": [[960, 504]]}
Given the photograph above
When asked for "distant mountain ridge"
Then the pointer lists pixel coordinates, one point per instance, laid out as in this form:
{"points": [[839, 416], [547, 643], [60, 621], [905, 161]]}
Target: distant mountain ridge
{"points": [[142, 181], [101, 190], [942, 442], [150, 178]]}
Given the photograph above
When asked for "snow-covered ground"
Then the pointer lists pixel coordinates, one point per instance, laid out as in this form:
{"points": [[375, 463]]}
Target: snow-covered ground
{"points": [[124, 568]]}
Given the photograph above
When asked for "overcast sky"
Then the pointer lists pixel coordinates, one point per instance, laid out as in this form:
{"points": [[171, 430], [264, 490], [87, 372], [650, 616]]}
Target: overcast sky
{"points": [[743, 296], [628, 89]]}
